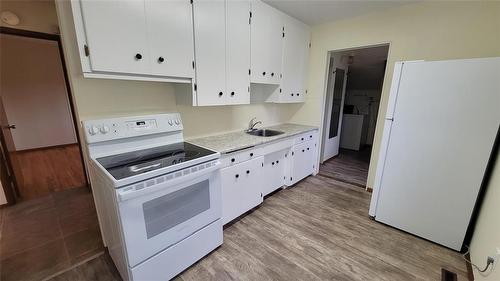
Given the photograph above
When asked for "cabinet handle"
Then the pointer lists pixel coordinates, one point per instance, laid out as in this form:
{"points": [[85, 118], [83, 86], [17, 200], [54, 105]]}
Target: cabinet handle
{"points": [[138, 56], [232, 159], [264, 73], [220, 94], [237, 176], [232, 94], [248, 172], [251, 154], [161, 59]]}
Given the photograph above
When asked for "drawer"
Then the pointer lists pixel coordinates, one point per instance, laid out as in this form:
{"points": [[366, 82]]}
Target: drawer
{"points": [[240, 156], [311, 135]]}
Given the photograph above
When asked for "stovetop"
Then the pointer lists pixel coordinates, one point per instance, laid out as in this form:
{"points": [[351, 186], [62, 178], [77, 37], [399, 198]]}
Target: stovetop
{"points": [[133, 163]]}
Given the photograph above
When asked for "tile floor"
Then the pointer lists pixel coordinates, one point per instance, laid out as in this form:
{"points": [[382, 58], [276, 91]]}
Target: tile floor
{"points": [[43, 236]]}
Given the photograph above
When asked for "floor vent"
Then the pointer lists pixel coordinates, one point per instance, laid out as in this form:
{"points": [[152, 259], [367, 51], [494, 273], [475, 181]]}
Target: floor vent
{"points": [[447, 275]]}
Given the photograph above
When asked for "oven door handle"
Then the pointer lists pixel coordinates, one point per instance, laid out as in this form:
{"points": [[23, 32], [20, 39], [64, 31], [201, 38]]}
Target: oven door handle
{"points": [[124, 194]]}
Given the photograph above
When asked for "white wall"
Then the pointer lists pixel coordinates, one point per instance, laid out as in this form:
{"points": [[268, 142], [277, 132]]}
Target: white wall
{"points": [[34, 93]]}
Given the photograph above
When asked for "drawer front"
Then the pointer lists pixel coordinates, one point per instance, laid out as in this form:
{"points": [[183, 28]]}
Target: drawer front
{"points": [[311, 135], [240, 156]]}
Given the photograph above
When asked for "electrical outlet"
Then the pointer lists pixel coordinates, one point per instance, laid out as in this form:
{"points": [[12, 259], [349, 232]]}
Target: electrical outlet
{"points": [[496, 257]]}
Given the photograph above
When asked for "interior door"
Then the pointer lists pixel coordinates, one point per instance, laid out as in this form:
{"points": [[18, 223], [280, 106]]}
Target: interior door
{"points": [[210, 45], [116, 35], [333, 116], [437, 154], [238, 51], [170, 37], [8, 160]]}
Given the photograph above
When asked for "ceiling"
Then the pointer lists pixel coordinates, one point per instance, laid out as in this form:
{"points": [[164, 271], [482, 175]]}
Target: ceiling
{"points": [[313, 12]]}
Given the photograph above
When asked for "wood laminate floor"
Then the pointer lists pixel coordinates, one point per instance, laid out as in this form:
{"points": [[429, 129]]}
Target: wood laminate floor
{"points": [[44, 171], [348, 166], [316, 230]]}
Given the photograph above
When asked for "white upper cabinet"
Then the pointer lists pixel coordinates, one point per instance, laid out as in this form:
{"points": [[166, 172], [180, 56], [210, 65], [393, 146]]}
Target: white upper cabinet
{"points": [[266, 44], [210, 50], [222, 48], [170, 36], [135, 39], [295, 60], [116, 37], [238, 52]]}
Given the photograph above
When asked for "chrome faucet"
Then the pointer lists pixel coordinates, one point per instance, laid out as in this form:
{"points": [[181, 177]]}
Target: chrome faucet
{"points": [[252, 124]]}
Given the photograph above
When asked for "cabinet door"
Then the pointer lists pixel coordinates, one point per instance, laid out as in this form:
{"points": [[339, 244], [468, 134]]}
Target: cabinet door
{"points": [[273, 172], [170, 37], [295, 60], [266, 44], [241, 190], [116, 37], [238, 51], [302, 161], [210, 44]]}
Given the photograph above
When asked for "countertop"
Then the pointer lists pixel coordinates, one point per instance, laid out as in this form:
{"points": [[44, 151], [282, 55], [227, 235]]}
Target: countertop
{"points": [[229, 142]]}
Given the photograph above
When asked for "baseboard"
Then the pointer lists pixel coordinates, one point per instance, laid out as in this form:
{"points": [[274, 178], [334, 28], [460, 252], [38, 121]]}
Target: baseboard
{"points": [[470, 272]]}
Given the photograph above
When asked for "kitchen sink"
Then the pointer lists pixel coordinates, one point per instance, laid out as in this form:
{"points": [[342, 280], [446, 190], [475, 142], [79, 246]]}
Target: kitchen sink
{"points": [[265, 133]]}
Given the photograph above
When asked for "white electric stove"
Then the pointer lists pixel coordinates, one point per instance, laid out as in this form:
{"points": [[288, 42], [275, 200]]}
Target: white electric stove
{"points": [[158, 198]]}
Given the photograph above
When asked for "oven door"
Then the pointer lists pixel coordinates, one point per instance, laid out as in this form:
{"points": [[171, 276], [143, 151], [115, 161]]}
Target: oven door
{"points": [[168, 210]]}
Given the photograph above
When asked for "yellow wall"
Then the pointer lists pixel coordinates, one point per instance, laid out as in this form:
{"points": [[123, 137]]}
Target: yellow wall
{"points": [[430, 31], [486, 238], [34, 15], [96, 98]]}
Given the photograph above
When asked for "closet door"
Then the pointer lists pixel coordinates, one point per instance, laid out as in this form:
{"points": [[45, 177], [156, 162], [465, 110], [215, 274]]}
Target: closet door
{"points": [[170, 37], [210, 45], [115, 35], [238, 52]]}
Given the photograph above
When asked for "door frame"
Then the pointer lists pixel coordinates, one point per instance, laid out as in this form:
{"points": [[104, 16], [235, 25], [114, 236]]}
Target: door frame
{"points": [[57, 38], [322, 125]]}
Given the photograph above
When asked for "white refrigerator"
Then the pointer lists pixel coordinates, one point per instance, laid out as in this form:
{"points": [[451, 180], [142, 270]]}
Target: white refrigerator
{"points": [[439, 131]]}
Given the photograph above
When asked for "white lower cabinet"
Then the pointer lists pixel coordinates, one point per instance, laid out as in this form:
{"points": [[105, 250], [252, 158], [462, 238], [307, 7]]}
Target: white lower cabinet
{"points": [[253, 173], [273, 173], [241, 188]]}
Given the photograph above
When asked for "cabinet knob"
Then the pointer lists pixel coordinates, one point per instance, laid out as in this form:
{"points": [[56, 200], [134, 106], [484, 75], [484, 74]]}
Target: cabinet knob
{"points": [[272, 74], [310, 136], [302, 139], [232, 159], [264, 73], [292, 95], [220, 94], [308, 148], [237, 176], [298, 94], [161, 59], [248, 171], [277, 161], [232, 94], [138, 56], [303, 150], [251, 154], [272, 163]]}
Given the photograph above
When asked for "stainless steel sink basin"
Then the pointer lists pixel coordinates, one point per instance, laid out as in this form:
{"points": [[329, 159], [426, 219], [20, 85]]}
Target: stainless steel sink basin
{"points": [[265, 133]]}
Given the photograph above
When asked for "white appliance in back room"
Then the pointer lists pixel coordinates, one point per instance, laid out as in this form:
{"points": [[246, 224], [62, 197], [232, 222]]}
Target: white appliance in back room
{"points": [[158, 198], [440, 128]]}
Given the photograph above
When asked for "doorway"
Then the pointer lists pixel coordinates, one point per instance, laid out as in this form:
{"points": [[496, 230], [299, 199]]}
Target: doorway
{"points": [[40, 145], [354, 87]]}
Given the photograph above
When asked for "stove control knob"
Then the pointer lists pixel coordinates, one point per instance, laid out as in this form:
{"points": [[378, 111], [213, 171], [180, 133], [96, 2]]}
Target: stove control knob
{"points": [[93, 130], [170, 122], [104, 129], [177, 121]]}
